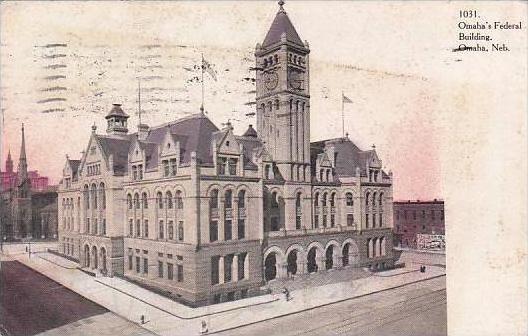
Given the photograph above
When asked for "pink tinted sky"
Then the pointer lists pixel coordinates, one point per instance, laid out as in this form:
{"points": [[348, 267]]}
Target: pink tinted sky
{"points": [[375, 59]]}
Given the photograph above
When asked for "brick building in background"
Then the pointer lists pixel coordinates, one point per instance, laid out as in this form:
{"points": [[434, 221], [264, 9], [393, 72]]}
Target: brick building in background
{"points": [[417, 217]]}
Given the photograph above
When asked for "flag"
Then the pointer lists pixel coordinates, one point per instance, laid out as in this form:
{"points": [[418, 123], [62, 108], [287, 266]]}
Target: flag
{"points": [[346, 99], [206, 66]]}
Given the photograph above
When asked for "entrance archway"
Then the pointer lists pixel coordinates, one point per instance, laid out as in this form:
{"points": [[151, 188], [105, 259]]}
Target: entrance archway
{"points": [[311, 260], [86, 256], [292, 262], [329, 262], [346, 251], [94, 255], [270, 266]]}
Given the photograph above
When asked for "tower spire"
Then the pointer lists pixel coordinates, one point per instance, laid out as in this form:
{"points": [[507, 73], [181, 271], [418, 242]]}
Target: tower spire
{"points": [[281, 4], [22, 161], [9, 162]]}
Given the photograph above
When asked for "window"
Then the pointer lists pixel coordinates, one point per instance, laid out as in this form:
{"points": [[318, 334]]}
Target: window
{"points": [[130, 263], [213, 199], [180, 231], [298, 222], [241, 199], [433, 214], [173, 167], [213, 230], [350, 219], [140, 172], [414, 214], [349, 199], [145, 265], [103, 196], [316, 199], [136, 201], [160, 200], [138, 265], [169, 200], [274, 224], [131, 227], [397, 214], [170, 271], [179, 200], [381, 201], [323, 200], [180, 273], [145, 229], [332, 200], [134, 173], [241, 265], [241, 228], [215, 278], [442, 214], [373, 220], [129, 201], [405, 214], [267, 172], [332, 220], [228, 199], [423, 214], [171, 230], [274, 200], [324, 220], [221, 163], [161, 229], [228, 234], [165, 164], [160, 269], [138, 227], [103, 224], [145, 201], [367, 197], [321, 174], [367, 220], [380, 220], [233, 166], [316, 221]]}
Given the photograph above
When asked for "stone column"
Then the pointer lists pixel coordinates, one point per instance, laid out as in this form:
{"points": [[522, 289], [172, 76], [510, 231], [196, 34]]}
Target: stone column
{"points": [[221, 216], [246, 266], [320, 261], [234, 268], [221, 270], [234, 218]]}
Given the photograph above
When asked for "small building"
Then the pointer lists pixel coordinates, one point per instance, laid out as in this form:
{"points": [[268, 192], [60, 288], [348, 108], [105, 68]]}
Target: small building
{"points": [[417, 217]]}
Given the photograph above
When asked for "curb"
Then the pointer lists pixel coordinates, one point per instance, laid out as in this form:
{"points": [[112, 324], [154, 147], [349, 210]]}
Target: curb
{"points": [[182, 317], [325, 304]]}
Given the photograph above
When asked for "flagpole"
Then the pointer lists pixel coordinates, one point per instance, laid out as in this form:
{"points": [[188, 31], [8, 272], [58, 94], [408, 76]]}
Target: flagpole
{"points": [[139, 100], [343, 112], [202, 66]]}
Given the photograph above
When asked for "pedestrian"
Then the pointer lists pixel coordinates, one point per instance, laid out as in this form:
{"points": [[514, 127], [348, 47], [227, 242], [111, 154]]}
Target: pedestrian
{"points": [[286, 293], [203, 328]]}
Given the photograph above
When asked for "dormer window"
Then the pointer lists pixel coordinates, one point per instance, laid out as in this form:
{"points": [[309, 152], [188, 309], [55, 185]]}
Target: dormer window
{"points": [[173, 167], [165, 164], [221, 163], [233, 166], [267, 172]]}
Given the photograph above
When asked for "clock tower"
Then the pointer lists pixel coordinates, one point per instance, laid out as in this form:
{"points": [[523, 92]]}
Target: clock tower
{"points": [[283, 98]]}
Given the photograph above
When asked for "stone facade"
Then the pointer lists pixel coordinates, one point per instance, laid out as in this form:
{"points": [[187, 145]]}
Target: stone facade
{"points": [[206, 216]]}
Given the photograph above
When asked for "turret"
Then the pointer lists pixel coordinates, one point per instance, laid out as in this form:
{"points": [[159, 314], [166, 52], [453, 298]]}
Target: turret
{"points": [[117, 121]]}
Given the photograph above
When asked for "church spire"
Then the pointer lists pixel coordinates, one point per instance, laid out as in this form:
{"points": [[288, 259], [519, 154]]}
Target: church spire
{"points": [[22, 162], [9, 162]]}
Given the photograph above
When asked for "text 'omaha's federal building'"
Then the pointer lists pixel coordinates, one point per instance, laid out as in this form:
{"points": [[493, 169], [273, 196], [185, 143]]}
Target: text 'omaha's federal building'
{"points": [[210, 216]]}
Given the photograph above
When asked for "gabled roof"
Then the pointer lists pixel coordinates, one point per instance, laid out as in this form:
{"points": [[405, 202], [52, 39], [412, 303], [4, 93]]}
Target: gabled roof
{"points": [[118, 148], [250, 145], [281, 24], [194, 134], [74, 165], [116, 111], [349, 156]]}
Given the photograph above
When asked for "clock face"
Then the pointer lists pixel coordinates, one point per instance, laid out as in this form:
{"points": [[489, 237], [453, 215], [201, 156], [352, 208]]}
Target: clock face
{"points": [[271, 79], [295, 79]]}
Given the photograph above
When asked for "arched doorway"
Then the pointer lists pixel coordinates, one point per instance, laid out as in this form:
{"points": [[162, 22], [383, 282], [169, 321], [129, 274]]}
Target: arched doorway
{"points": [[311, 260], [329, 262], [103, 260], [86, 256], [346, 251], [94, 255], [270, 266], [292, 262]]}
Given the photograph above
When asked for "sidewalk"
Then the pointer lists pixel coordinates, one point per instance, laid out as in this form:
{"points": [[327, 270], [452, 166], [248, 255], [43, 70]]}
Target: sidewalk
{"points": [[166, 317]]}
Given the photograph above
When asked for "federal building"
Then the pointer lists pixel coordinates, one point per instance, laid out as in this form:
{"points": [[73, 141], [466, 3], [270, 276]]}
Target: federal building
{"points": [[207, 215]]}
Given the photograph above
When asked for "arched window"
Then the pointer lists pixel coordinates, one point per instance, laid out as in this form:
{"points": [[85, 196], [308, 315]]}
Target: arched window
{"points": [[179, 199], [374, 196], [94, 196], [145, 200], [298, 200], [332, 200], [160, 200], [242, 199], [86, 195], [367, 199], [136, 201], [103, 195], [349, 199], [228, 199], [276, 104], [274, 200], [328, 175], [316, 199], [321, 175], [381, 201], [213, 199], [323, 200], [169, 199], [129, 201]]}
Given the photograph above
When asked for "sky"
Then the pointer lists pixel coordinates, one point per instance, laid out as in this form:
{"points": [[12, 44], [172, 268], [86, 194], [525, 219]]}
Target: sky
{"points": [[63, 65]]}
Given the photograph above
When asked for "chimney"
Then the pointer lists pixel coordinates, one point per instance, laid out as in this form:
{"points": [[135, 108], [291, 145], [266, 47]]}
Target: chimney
{"points": [[143, 131]]}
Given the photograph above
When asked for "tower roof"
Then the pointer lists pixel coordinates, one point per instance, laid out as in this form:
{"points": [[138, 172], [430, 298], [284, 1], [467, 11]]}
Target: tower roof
{"points": [[23, 146], [116, 111], [281, 25], [250, 132]]}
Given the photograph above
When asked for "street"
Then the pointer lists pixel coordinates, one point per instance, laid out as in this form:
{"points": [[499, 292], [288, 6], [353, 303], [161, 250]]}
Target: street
{"points": [[31, 303], [416, 309]]}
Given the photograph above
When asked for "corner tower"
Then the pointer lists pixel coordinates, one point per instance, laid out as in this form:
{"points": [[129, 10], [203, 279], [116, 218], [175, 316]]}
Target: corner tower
{"points": [[283, 98]]}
